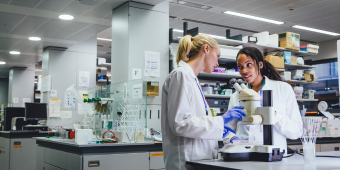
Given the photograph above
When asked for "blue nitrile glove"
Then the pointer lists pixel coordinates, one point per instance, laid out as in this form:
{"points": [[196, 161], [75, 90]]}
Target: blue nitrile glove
{"points": [[234, 138], [234, 113], [226, 131]]}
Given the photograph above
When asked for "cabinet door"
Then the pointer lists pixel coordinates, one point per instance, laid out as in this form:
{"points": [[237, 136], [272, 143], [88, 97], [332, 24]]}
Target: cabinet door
{"points": [[124, 161], [330, 147], [1, 158]]}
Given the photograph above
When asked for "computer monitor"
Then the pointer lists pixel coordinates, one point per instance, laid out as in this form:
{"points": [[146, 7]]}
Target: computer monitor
{"points": [[36, 111], [11, 112]]}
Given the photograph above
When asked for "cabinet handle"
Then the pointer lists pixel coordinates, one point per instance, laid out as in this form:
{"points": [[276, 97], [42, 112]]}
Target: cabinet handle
{"points": [[94, 163]]}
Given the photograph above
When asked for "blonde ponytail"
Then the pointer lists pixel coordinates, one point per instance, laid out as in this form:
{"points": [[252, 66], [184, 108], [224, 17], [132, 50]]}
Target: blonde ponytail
{"points": [[190, 46]]}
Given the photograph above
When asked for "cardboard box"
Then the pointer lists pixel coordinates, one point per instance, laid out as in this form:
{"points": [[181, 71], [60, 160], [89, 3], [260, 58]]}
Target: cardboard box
{"points": [[293, 60], [276, 61], [290, 40], [287, 55]]}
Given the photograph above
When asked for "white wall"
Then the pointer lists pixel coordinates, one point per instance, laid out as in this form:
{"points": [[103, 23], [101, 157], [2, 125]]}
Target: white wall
{"points": [[327, 50], [64, 67], [21, 85]]}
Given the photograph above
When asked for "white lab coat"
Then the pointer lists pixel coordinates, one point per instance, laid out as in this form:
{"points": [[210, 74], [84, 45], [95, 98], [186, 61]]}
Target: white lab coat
{"points": [[188, 133], [288, 119]]}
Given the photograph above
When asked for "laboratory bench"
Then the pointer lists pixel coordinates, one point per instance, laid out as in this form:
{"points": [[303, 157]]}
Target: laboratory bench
{"points": [[295, 162], [65, 154], [18, 149]]}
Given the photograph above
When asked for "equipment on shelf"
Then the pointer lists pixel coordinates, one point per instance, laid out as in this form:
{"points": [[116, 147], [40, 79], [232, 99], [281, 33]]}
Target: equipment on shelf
{"points": [[256, 115]]}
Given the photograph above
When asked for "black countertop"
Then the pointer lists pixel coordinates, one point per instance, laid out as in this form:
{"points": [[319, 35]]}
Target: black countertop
{"points": [[68, 145], [23, 134]]}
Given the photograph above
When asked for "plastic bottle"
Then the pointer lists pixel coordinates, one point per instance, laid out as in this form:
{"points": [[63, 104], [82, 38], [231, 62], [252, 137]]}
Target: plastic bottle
{"points": [[217, 88], [336, 126], [323, 127], [330, 129]]}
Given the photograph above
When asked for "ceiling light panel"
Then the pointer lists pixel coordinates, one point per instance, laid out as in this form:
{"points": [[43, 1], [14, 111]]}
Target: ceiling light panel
{"points": [[316, 30], [14, 52], [34, 38], [66, 17], [190, 4], [2, 62], [253, 17], [104, 39]]}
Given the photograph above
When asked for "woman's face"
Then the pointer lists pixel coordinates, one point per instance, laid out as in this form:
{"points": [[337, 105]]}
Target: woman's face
{"points": [[247, 68], [211, 58]]}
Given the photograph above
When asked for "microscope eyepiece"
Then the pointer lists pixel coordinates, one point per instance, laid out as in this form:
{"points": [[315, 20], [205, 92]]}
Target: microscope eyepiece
{"points": [[232, 81]]}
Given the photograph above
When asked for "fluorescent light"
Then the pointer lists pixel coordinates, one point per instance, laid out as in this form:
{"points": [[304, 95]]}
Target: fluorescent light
{"points": [[34, 38], [316, 30], [37, 70], [2, 62], [14, 52], [66, 17], [104, 39], [253, 17]]}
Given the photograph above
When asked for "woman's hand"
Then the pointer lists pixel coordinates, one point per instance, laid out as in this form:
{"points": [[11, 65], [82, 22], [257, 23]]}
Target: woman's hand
{"points": [[234, 113]]}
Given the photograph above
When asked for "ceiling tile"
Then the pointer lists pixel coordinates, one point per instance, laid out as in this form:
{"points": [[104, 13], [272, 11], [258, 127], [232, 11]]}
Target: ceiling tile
{"points": [[105, 33], [67, 31], [317, 16], [235, 3], [53, 5], [28, 25], [315, 11], [9, 20], [50, 27], [8, 43], [87, 32], [25, 3], [202, 15], [299, 7], [217, 2], [4, 1], [271, 7], [177, 9], [25, 44], [188, 13], [253, 5], [103, 9], [76, 8]]}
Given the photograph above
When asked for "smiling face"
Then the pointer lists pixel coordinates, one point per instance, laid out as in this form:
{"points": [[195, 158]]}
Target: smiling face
{"points": [[211, 58], [248, 68]]}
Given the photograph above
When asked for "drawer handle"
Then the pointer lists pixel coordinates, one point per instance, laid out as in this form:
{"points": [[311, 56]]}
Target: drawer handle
{"points": [[94, 163], [16, 143]]}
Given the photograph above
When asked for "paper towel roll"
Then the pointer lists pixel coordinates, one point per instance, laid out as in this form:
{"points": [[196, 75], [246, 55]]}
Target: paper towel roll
{"points": [[255, 119]]}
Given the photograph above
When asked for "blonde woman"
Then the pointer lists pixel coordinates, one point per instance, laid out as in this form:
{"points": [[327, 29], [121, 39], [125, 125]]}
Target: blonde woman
{"points": [[189, 131]]}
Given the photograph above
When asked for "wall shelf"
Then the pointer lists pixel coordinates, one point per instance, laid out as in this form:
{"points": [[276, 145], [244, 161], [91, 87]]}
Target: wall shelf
{"points": [[219, 75], [307, 100], [298, 66], [216, 96], [300, 82], [220, 41], [102, 81], [104, 65]]}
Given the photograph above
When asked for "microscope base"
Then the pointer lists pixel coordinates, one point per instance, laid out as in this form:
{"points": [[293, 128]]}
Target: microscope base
{"points": [[265, 153]]}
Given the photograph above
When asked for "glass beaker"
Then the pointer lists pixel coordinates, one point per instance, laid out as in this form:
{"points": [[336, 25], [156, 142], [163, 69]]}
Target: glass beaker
{"points": [[309, 154]]}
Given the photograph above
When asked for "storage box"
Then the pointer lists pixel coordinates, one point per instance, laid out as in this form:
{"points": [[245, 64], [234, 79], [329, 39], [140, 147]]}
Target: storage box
{"points": [[286, 75], [287, 57], [290, 40], [298, 90], [276, 61], [293, 60], [297, 73]]}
